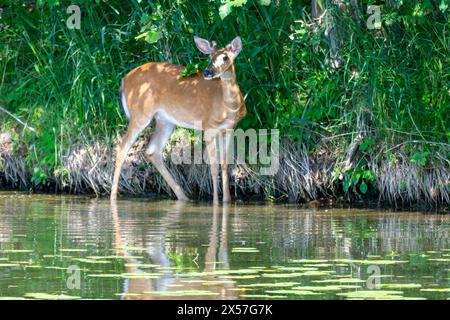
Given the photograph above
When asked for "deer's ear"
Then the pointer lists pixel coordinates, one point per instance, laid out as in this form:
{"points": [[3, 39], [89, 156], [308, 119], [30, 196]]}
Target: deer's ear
{"points": [[235, 46], [204, 45]]}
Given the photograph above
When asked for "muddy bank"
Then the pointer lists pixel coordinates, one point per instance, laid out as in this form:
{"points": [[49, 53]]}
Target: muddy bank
{"points": [[302, 176]]}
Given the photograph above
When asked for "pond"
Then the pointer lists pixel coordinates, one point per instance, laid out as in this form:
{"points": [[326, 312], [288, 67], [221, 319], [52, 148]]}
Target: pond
{"points": [[67, 247]]}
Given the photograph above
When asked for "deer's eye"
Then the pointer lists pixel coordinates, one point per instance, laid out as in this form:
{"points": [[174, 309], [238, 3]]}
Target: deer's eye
{"points": [[225, 58]]}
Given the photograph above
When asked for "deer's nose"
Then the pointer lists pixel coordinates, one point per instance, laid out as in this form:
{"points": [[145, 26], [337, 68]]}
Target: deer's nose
{"points": [[208, 73]]}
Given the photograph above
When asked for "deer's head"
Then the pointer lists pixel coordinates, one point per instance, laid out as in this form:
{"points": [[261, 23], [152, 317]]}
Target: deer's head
{"points": [[221, 59]]}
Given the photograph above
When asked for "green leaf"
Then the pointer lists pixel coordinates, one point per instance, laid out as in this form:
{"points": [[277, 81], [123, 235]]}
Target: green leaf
{"points": [[363, 187], [152, 36], [264, 2], [347, 183], [225, 8]]}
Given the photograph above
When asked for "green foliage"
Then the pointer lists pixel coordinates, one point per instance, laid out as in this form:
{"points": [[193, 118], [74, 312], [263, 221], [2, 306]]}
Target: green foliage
{"points": [[64, 82], [39, 178], [358, 179], [193, 68], [420, 158]]}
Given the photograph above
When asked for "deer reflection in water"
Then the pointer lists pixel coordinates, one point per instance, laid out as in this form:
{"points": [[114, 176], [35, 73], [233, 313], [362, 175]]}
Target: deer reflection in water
{"points": [[215, 257]]}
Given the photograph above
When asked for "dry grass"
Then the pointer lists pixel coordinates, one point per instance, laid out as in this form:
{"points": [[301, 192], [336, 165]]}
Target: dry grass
{"points": [[301, 176]]}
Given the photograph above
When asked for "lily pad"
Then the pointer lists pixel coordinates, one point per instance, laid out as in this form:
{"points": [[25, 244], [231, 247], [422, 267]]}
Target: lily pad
{"points": [[47, 296], [294, 292], [308, 261], [140, 275], [270, 285], [93, 261], [105, 275], [261, 296], [436, 290], [297, 274], [326, 288], [242, 277], [373, 294], [244, 250], [401, 286], [341, 280], [440, 260], [371, 262], [11, 265], [72, 250], [296, 268], [18, 251], [182, 293], [141, 265]]}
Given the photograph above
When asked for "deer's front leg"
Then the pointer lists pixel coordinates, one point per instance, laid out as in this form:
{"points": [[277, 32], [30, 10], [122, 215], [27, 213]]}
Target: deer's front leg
{"points": [[210, 138], [226, 137]]}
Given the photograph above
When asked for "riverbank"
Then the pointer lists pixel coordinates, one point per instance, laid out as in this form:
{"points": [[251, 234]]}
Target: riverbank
{"points": [[303, 176], [362, 111]]}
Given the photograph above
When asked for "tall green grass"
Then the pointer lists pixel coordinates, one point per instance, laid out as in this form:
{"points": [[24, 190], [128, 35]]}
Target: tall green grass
{"points": [[65, 82]]}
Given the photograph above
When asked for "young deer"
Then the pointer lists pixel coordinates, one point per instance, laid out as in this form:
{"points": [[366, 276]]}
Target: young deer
{"points": [[209, 102]]}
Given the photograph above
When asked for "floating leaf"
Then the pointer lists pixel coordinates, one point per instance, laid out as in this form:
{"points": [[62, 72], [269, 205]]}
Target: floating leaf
{"points": [[440, 260], [46, 296], [129, 248], [104, 275], [182, 293], [326, 288], [236, 277], [308, 261], [17, 251], [140, 275], [73, 250], [244, 250], [142, 265], [436, 290], [372, 294], [342, 280], [294, 292], [371, 262], [93, 261], [297, 274], [400, 285], [127, 294], [6, 265], [296, 269], [270, 285], [261, 296]]}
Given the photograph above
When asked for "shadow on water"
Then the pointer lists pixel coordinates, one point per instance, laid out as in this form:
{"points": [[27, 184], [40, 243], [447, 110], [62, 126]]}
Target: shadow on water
{"points": [[138, 249]]}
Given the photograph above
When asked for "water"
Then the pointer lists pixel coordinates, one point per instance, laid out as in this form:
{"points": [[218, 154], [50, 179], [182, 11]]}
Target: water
{"points": [[56, 247]]}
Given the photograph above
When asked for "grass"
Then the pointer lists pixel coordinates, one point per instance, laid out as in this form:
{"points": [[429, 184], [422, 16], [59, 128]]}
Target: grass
{"points": [[392, 88]]}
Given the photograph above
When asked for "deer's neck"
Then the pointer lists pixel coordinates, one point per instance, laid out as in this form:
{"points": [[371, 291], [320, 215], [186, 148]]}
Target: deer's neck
{"points": [[230, 110], [230, 90]]}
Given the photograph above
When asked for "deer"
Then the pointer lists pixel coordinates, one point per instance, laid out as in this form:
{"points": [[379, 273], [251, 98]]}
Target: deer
{"points": [[210, 101]]}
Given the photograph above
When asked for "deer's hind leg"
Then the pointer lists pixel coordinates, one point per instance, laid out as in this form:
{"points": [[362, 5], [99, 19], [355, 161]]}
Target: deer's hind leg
{"points": [[154, 152], [133, 131]]}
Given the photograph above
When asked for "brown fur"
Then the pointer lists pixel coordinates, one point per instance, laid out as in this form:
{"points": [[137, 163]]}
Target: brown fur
{"points": [[158, 85], [156, 89]]}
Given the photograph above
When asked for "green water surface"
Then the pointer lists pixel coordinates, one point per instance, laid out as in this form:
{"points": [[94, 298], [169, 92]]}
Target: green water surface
{"points": [[61, 247]]}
